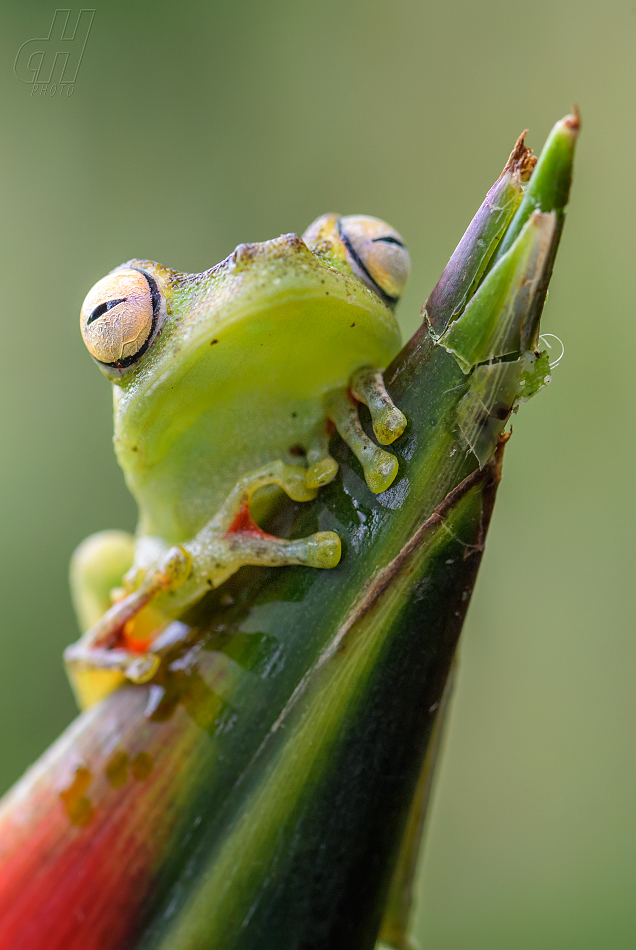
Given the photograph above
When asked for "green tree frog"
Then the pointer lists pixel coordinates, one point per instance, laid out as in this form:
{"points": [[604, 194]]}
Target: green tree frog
{"points": [[225, 382]]}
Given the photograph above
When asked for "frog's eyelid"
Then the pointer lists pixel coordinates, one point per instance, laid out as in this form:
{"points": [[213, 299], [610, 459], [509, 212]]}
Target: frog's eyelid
{"points": [[155, 296], [104, 308]]}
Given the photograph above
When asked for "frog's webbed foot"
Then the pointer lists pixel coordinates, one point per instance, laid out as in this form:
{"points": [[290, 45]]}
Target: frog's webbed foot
{"points": [[98, 565], [367, 386]]}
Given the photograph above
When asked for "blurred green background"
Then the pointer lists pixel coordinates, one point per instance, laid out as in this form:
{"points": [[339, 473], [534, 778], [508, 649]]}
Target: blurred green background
{"points": [[195, 126]]}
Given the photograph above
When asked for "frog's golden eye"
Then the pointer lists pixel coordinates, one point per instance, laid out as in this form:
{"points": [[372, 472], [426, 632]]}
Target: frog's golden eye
{"points": [[376, 253], [119, 317]]}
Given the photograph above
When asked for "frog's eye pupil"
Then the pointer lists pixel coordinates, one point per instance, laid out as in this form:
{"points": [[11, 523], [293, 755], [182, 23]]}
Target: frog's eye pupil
{"points": [[103, 308]]}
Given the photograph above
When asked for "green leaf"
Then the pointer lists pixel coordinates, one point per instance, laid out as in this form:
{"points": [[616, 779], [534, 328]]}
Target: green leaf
{"points": [[549, 187], [474, 252], [497, 321]]}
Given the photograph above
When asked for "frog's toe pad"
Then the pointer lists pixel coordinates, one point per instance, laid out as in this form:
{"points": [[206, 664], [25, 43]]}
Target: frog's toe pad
{"points": [[380, 471], [321, 473], [380, 467], [142, 668], [323, 549], [389, 425]]}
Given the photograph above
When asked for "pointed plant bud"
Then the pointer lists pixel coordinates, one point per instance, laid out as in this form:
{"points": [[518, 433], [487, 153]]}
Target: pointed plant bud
{"points": [[549, 187], [495, 322], [549, 190], [474, 252]]}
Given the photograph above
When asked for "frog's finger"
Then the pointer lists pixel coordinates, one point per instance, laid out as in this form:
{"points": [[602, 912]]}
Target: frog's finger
{"points": [[367, 385], [139, 667], [321, 467], [322, 549], [322, 472], [380, 467]]}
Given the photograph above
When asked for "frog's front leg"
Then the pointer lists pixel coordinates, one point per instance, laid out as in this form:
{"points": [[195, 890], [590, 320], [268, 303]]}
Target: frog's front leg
{"points": [[367, 386], [232, 539], [185, 572]]}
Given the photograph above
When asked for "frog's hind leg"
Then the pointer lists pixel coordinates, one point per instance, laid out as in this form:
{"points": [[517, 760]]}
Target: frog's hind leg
{"points": [[367, 385], [98, 566], [103, 657], [97, 663]]}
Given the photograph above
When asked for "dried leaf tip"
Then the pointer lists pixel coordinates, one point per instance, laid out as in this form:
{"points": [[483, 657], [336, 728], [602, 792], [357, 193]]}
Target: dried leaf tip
{"points": [[522, 159]]}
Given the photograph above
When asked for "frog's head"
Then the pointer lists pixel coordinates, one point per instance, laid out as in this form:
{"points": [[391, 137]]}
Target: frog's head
{"points": [[145, 321]]}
